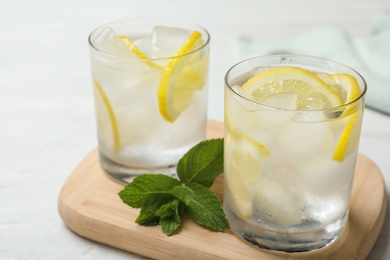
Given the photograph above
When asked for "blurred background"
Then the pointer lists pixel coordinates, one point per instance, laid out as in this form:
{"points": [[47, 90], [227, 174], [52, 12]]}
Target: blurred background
{"points": [[47, 122]]}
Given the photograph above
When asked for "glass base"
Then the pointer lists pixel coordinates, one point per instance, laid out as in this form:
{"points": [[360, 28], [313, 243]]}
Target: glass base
{"points": [[289, 242], [126, 174]]}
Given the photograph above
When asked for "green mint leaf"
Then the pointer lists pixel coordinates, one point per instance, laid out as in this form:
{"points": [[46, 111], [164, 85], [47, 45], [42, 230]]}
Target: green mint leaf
{"points": [[165, 200], [202, 206], [145, 186], [148, 215], [171, 208], [169, 225], [171, 216], [202, 164], [183, 193]]}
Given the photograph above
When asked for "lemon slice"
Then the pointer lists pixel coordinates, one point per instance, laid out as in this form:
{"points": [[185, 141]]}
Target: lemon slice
{"points": [[346, 137], [310, 91], [345, 85], [313, 91], [182, 76], [139, 53], [349, 90], [244, 167], [109, 124]]}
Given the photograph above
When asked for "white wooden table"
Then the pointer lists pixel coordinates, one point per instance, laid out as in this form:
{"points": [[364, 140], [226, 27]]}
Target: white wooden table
{"points": [[47, 122]]}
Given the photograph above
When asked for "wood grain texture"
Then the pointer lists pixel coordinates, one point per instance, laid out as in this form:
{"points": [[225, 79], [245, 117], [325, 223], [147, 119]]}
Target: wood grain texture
{"points": [[89, 206]]}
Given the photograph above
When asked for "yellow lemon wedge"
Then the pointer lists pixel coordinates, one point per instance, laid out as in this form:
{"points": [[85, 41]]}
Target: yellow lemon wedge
{"points": [[312, 91], [139, 53], [340, 151], [109, 125], [309, 90], [242, 170], [349, 90], [181, 78], [345, 85]]}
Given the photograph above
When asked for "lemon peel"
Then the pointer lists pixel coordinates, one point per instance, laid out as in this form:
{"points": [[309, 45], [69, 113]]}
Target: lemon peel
{"points": [[349, 90], [341, 148], [181, 77], [113, 120]]}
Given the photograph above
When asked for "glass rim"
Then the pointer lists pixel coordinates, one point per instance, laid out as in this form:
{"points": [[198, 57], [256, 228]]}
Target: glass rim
{"points": [[357, 99], [105, 25]]}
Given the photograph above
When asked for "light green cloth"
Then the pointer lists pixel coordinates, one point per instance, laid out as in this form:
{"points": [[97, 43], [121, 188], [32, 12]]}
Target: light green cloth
{"points": [[370, 56]]}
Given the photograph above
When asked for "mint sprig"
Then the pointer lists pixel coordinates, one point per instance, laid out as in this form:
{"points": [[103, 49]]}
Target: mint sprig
{"points": [[165, 201]]}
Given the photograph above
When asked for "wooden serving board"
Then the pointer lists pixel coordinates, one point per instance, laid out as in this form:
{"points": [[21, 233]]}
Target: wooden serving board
{"points": [[89, 206]]}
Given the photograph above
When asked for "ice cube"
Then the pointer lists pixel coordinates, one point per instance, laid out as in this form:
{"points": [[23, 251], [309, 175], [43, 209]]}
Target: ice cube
{"points": [[297, 140], [139, 122], [166, 41], [107, 41], [278, 202], [103, 39], [245, 99], [285, 100], [118, 45], [125, 58], [272, 116], [239, 115], [307, 116], [326, 185], [322, 176]]}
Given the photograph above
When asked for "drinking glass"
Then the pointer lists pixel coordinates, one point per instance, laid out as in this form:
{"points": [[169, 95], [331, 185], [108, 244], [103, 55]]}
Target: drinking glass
{"points": [[290, 155], [150, 91]]}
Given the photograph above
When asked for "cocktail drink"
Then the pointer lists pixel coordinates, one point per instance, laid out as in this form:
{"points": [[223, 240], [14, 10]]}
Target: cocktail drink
{"points": [[150, 90], [292, 128]]}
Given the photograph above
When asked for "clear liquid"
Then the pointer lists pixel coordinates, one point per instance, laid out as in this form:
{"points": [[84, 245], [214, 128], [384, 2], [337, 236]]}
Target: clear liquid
{"points": [[260, 235], [300, 198], [141, 141]]}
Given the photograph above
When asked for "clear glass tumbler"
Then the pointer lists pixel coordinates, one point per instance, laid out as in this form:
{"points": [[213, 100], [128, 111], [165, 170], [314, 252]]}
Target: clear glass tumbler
{"points": [[292, 129], [150, 90]]}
